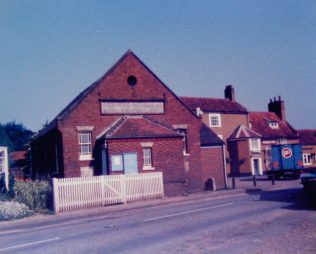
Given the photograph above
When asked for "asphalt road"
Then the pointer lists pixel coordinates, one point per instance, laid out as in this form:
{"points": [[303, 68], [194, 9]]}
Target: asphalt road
{"points": [[254, 221]]}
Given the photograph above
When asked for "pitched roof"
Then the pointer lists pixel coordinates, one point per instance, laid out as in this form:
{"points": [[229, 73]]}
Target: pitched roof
{"points": [[243, 132], [307, 137], [260, 123], [214, 105], [137, 127], [76, 101], [18, 155], [208, 137]]}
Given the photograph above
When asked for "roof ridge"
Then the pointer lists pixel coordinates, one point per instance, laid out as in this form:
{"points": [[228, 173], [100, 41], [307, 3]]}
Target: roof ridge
{"points": [[306, 129], [200, 97], [158, 123], [238, 132], [291, 127], [102, 133], [116, 126]]}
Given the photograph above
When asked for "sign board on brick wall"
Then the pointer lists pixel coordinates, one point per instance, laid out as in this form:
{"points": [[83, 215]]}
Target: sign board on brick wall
{"points": [[132, 107]]}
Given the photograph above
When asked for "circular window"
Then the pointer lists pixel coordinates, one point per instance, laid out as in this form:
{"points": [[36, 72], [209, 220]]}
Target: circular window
{"points": [[132, 80]]}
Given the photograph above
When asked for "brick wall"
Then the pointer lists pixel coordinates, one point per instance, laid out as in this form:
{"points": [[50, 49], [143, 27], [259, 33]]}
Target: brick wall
{"points": [[212, 166], [167, 157]]}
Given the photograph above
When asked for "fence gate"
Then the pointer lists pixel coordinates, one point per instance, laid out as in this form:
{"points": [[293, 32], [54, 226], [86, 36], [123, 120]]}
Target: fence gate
{"points": [[82, 192]]}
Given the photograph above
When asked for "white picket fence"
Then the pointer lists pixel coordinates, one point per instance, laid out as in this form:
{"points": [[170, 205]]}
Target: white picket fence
{"points": [[82, 192]]}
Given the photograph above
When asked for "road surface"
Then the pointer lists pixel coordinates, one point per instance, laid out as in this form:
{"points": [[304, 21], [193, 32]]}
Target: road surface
{"points": [[254, 221]]}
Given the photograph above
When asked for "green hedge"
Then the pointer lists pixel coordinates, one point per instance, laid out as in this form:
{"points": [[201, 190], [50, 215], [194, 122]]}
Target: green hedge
{"points": [[36, 195]]}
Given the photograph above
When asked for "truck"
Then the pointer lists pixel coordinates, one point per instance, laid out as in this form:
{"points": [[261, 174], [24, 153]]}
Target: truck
{"points": [[287, 161]]}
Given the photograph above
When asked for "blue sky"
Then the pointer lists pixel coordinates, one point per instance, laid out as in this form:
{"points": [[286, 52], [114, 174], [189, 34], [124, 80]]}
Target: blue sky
{"points": [[51, 50]]}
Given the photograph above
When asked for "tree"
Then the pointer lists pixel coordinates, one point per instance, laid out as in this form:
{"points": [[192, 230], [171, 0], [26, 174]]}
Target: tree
{"points": [[4, 139], [15, 136]]}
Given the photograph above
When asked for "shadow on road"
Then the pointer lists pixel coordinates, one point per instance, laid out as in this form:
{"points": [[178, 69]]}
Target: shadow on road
{"points": [[265, 179], [296, 197]]}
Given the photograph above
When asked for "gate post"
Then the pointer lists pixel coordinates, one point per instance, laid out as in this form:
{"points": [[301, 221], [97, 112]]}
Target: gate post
{"points": [[161, 185], [102, 181], [55, 195], [123, 188]]}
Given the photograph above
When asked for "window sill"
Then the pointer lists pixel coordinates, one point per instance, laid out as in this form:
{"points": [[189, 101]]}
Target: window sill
{"points": [[85, 157], [186, 154], [148, 168]]}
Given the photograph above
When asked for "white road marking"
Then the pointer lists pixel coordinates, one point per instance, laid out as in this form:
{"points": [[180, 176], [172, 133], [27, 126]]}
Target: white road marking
{"points": [[30, 244], [188, 212]]}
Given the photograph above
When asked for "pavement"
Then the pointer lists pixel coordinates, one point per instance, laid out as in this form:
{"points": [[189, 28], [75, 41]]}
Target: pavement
{"points": [[242, 186]]}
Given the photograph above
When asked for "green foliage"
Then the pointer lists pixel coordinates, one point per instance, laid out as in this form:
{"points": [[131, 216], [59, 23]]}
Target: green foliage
{"points": [[36, 195], [4, 138], [17, 135]]}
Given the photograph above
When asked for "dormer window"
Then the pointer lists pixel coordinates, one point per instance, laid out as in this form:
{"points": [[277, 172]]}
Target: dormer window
{"points": [[274, 125]]}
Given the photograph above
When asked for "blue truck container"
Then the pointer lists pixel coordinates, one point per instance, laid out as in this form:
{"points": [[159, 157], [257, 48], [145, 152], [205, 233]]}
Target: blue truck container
{"points": [[286, 161]]}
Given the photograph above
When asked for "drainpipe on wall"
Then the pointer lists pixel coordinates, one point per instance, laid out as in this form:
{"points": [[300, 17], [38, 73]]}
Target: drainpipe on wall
{"points": [[224, 164]]}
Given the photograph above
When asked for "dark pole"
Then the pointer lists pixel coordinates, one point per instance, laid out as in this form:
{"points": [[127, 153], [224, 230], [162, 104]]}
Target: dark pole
{"points": [[234, 182], [254, 181], [273, 183]]}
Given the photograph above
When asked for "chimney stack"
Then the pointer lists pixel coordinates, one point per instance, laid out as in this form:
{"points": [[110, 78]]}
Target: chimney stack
{"points": [[278, 107], [230, 93]]}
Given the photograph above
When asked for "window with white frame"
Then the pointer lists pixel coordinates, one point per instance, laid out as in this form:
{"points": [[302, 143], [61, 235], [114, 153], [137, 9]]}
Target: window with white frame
{"points": [[85, 145], [215, 120], [147, 155], [255, 144], [307, 159]]}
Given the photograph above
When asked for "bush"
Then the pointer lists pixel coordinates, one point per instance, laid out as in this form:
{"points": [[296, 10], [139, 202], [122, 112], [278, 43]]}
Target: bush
{"points": [[36, 195], [12, 210]]}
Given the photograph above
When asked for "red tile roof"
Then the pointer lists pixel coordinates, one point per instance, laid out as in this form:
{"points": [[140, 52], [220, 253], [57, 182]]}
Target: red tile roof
{"points": [[307, 137], [260, 123], [243, 132], [214, 105], [18, 155], [138, 127]]}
